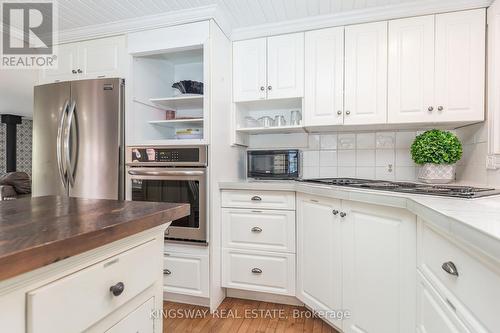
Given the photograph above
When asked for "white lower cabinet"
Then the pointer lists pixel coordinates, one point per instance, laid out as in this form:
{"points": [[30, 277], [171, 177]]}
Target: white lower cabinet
{"points": [[139, 321], [360, 258], [319, 256], [187, 272]]}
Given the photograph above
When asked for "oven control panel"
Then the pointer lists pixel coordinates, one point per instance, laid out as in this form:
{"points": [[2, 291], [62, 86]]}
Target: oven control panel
{"points": [[165, 155]]}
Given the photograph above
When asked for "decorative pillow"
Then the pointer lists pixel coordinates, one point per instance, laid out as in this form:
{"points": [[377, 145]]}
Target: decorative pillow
{"points": [[20, 181]]}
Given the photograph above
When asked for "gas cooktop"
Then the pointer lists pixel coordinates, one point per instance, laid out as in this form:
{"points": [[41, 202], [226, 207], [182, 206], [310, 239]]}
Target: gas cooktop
{"points": [[467, 192]]}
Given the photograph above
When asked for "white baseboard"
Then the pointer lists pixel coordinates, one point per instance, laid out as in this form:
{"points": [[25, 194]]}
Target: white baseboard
{"points": [[263, 297], [178, 298]]}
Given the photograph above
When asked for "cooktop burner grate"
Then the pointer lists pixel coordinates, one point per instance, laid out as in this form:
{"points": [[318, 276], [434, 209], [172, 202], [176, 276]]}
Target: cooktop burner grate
{"points": [[411, 188]]}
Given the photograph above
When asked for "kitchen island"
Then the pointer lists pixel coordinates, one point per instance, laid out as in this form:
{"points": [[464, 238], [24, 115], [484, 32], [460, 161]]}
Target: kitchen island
{"points": [[73, 265]]}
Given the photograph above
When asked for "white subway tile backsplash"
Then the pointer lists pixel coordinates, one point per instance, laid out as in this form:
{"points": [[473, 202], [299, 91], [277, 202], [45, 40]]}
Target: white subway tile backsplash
{"points": [[346, 141], [365, 141], [346, 172], [328, 172], [365, 172], [314, 141], [365, 158], [329, 141], [385, 140], [403, 158], [384, 173], [405, 173], [384, 157], [404, 139], [311, 158], [346, 158], [328, 158], [310, 172]]}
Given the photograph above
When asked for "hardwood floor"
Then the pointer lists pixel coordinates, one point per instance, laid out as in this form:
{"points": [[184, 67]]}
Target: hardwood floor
{"points": [[238, 316]]}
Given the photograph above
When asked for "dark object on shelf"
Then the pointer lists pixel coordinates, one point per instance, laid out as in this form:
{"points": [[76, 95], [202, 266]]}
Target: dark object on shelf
{"points": [[189, 87]]}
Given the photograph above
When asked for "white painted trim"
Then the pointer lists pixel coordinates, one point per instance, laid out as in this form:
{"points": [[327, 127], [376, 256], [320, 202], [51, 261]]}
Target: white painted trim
{"points": [[186, 299], [263, 297], [358, 16], [144, 23]]}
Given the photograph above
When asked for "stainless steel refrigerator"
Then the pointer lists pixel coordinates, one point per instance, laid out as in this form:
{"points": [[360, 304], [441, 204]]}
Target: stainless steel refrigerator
{"points": [[78, 138]]}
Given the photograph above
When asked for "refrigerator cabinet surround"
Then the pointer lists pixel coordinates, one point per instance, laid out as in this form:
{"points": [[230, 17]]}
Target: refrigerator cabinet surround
{"points": [[78, 139]]}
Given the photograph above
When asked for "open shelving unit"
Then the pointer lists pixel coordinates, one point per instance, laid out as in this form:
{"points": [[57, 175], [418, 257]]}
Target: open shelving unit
{"points": [[153, 95]]}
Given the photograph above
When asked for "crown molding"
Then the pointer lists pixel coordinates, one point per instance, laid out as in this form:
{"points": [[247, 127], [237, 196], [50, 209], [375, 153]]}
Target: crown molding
{"points": [[145, 23], [358, 16]]}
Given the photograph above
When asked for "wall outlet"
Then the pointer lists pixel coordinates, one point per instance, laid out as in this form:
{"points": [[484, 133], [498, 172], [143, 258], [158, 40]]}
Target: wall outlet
{"points": [[492, 162]]}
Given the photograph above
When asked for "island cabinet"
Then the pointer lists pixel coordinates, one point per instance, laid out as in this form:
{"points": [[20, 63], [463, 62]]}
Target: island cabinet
{"points": [[358, 258], [113, 288]]}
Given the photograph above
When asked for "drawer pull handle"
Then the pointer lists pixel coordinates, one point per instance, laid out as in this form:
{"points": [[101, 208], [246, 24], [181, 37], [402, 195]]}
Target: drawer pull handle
{"points": [[450, 268], [167, 272], [335, 212], [117, 289], [257, 271], [342, 214], [256, 229], [256, 198]]}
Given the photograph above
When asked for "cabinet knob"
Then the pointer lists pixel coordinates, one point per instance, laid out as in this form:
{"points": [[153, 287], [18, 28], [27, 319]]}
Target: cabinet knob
{"points": [[430, 108], [335, 212], [450, 268], [74, 71], [262, 88], [440, 108], [342, 214], [256, 270], [269, 88], [256, 229], [348, 112], [167, 272], [117, 289], [256, 198], [80, 71], [339, 112]]}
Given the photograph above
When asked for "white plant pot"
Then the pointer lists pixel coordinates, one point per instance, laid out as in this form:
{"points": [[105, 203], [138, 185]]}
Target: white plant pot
{"points": [[437, 173]]}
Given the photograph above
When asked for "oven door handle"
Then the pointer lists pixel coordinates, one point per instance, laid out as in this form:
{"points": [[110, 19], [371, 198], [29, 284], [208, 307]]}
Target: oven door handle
{"points": [[160, 172]]}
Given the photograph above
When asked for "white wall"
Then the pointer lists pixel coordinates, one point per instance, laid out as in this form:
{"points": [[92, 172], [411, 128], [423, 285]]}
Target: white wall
{"points": [[16, 91]]}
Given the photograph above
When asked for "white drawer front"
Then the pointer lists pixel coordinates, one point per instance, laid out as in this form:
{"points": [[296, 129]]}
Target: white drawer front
{"points": [[258, 199], [266, 230], [477, 286], [186, 274], [139, 321], [259, 271], [83, 298]]}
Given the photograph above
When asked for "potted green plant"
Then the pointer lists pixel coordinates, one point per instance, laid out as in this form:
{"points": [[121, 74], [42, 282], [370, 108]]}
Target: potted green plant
{"points": [[437, 152]]}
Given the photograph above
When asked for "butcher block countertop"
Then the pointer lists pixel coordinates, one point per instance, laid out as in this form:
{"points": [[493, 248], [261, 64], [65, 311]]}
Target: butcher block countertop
{"points": [[35, 232]]}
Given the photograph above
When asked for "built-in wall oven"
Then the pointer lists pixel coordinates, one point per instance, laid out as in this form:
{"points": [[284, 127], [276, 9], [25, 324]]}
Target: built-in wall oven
{"points": [[172, 174]]}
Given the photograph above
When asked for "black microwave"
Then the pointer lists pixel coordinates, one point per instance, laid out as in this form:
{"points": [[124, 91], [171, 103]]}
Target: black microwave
{"points": [[273, 164]]}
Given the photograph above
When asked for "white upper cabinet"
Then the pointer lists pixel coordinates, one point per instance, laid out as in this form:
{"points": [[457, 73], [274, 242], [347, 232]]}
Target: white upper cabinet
{"points": [[366, 74], [379, 261], [285, 66], [411, 70], [92, 59], [268, 68], [319, 263], [324, 77], [250, 70], [437, 68], [103, 58], [460, 65]]}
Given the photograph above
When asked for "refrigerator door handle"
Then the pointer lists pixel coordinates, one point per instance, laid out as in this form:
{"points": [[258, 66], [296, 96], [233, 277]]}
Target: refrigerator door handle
{"points": [[59, 145], [70, 167]]}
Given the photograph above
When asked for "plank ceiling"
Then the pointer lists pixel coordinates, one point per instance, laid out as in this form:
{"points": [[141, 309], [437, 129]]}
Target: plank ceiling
{"points": [[241, 13]]}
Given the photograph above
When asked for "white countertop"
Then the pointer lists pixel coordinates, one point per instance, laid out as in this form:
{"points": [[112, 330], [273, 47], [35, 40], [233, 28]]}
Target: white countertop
{"points": [[473, 221]]}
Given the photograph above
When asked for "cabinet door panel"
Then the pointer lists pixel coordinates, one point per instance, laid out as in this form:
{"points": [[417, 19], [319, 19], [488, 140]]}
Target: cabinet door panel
{"points": [[103, 57], [319, 278], [460, 65], [411, 70], [324, 77], [249, 70], [366, 74], [285, 66], [67, 61], [379, 260]]}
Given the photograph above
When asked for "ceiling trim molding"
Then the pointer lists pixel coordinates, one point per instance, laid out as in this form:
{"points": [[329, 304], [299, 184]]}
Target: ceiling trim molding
{"points": [[145, 23], [357, 16]]}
